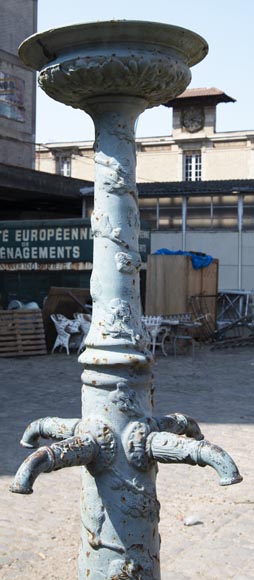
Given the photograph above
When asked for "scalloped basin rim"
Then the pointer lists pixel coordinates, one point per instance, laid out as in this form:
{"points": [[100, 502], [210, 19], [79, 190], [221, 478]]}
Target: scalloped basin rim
{"points": [[41, 48]]}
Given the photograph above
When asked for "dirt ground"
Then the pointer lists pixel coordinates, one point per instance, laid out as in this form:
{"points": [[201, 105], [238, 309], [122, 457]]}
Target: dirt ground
{"points": [[40, 532]]}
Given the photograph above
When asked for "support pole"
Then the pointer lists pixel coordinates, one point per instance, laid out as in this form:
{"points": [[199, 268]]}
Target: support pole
{"points": [[121, 506], [184, 218], [240, 235]]}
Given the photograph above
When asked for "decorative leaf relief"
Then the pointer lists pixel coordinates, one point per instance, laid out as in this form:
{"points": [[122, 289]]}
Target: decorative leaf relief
{"points": [[126, 400], [119, 321], [101, 227], [149, 74], [107, 444], [128, 262], [116, 177]]}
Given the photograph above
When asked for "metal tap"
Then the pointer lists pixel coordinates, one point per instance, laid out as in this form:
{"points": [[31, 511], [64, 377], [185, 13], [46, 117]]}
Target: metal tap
{"points": [[141, 442], [67, 453]]}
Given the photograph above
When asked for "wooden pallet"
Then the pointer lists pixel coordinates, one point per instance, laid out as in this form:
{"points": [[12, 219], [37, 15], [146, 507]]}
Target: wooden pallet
{"points": [[21, 333]]}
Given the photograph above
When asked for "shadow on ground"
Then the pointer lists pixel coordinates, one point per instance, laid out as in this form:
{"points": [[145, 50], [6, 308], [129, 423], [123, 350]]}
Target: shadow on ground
{"points": [[217, 387]]}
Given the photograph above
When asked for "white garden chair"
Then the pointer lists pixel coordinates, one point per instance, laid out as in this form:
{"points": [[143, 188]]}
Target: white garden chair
{"points": [[160, 334], [63, 337], [84, 325]]}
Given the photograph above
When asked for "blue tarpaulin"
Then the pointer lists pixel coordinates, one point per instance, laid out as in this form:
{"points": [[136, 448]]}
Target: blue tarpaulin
{"points": [[198, 260]]}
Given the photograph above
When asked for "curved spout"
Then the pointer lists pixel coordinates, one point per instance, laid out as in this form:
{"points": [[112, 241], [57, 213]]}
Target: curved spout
{"points": [[219, 459], [48, 427], [171, 448], [67, 453]]}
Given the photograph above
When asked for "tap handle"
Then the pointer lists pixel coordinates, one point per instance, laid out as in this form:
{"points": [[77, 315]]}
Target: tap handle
{"points": [[180, 425]]}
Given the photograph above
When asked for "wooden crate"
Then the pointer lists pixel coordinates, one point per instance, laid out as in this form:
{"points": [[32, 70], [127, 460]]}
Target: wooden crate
{"points": [[171, 281], [21, 333]]}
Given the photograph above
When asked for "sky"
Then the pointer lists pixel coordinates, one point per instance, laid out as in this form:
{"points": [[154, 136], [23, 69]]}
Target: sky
{"points": [[227, 26]]}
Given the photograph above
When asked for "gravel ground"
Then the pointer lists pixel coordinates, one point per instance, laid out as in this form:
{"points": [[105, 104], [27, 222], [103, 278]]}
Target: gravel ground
{"points": [[40, 533]]}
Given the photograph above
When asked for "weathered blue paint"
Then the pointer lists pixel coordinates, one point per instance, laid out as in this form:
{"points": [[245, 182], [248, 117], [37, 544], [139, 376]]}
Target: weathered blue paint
{"points": [[114, 71], [48, 428], [72, 451], [170, 448]]}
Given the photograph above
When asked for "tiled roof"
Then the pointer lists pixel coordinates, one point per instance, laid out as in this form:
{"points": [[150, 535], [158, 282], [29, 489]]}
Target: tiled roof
{"points": [[212, 94], [185, 188]]}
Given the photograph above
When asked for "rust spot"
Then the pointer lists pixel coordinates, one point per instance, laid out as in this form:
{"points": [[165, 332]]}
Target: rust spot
{"points": [[88, 573], [94, 383], [87, 554]]}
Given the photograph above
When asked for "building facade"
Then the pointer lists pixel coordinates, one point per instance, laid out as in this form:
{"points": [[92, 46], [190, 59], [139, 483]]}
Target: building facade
{"points": [[196, 186], [194, 151], [196, 189], [17, 85]]}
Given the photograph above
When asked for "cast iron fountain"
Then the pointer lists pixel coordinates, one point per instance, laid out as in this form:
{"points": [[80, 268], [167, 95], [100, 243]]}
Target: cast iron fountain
{"points": [[114, 71]]}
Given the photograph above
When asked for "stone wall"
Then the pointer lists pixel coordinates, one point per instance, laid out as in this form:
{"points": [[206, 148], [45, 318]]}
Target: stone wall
{"points": [[18, 85]]}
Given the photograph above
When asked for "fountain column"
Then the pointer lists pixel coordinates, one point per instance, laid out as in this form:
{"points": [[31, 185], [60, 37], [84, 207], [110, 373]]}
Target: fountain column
{"points": [[117, 390], [114, 70]]}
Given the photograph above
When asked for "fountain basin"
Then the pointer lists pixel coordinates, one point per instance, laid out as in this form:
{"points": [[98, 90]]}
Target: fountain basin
{"points": [[131, 58]]}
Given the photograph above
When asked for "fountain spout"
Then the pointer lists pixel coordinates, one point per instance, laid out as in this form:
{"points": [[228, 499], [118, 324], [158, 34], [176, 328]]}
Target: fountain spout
{"points": [[171, 448], [67, 453], [48, 427]]}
